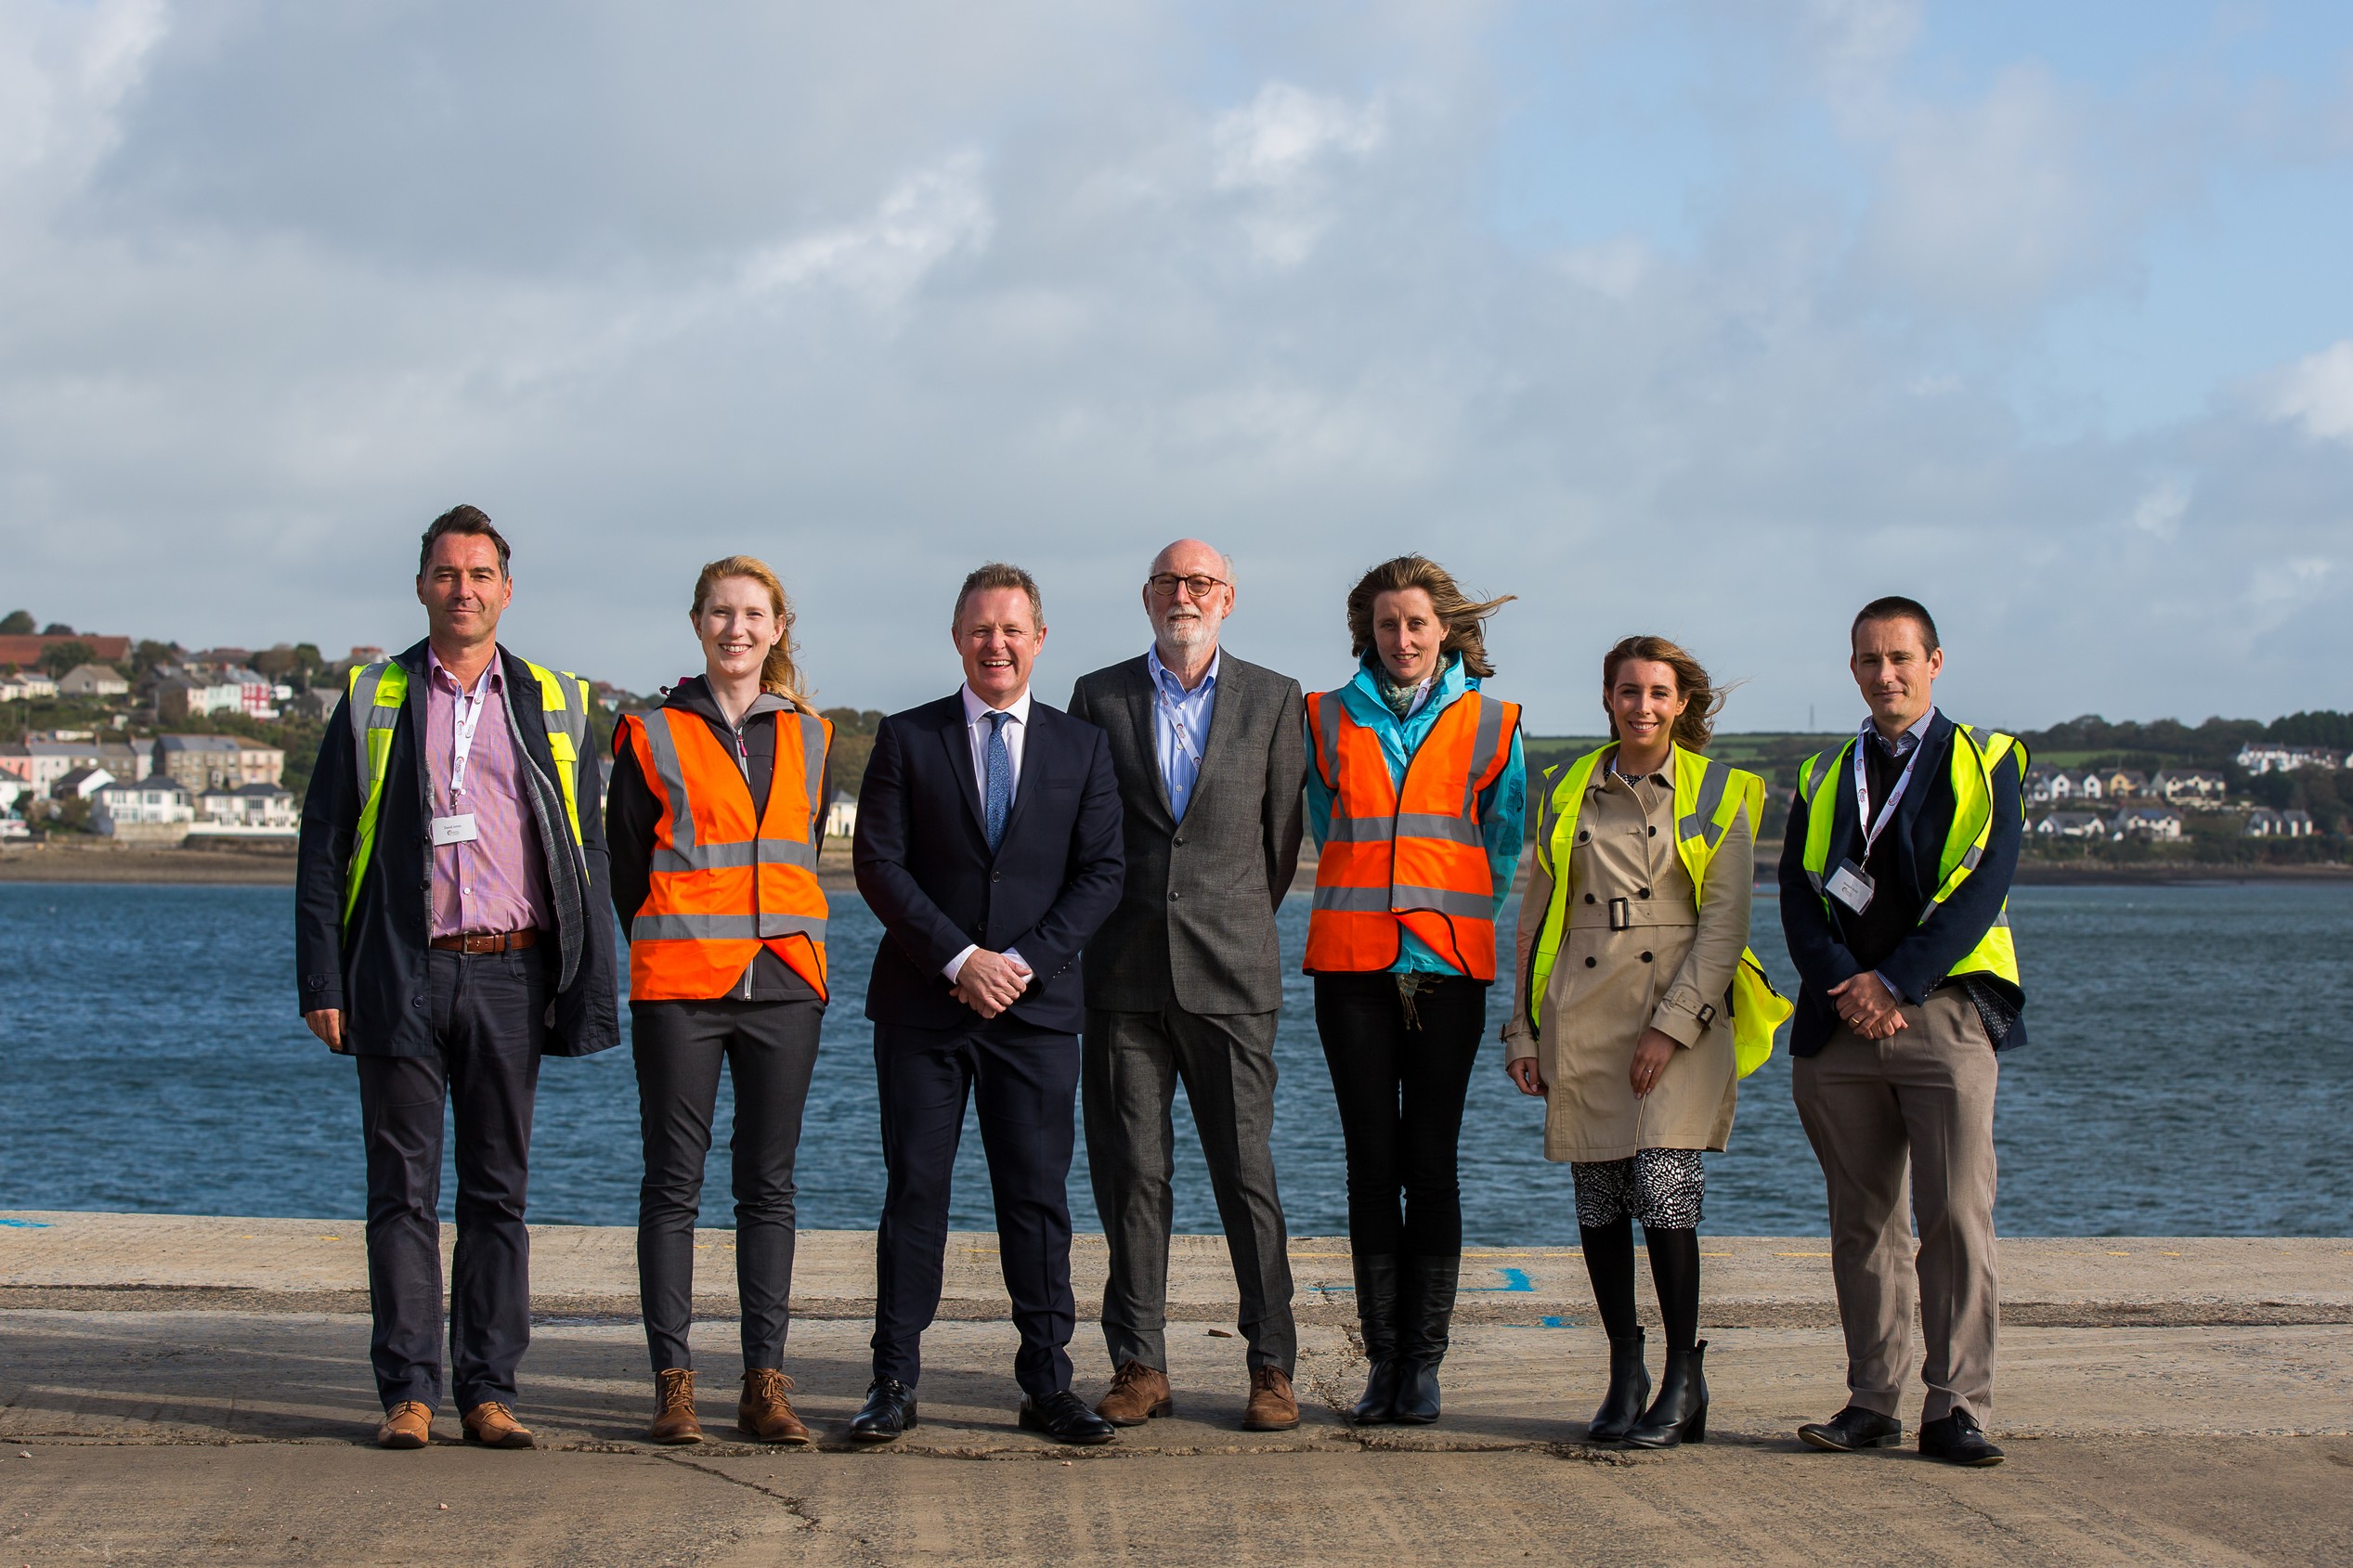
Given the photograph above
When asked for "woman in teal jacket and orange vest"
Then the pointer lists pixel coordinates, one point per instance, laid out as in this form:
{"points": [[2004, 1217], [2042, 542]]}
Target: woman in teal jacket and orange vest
{"points": [[1639, 1007], [1416, 792]]}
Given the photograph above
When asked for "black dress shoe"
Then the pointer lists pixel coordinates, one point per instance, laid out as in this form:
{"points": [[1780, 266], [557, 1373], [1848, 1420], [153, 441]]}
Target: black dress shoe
{"points": [[1852, 1429], [1065, 1417], [888, 1412], [1956, 1440]]}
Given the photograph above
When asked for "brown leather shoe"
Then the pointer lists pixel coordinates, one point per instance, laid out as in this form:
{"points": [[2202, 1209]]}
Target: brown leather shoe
{"points": [[1138, 1393], [493, 1425], [765, 1413], [674, 1407], [1273, 1408], [407, 1425]]}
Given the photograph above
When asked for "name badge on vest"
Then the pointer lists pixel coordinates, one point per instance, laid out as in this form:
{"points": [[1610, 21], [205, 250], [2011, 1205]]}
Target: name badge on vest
{"points": [[1851, 886], [454, 830]]}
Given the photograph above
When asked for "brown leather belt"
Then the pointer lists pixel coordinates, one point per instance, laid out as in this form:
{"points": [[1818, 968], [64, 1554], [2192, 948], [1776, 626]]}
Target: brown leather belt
{"points": [[497, 941]]}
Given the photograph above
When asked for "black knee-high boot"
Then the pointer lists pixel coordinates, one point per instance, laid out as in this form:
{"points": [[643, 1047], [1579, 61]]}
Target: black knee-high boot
{"points": [[1426, 1319], [1377, 1316], [1681, 1413], [1609, 1264]]}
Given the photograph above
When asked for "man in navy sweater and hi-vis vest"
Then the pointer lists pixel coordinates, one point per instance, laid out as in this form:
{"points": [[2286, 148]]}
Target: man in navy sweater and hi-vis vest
{"points": [[1895, 879], [452, 926]]}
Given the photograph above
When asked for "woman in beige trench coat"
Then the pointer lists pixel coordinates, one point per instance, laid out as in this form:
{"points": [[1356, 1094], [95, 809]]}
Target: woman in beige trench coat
{"points": [[1632, 1051]]}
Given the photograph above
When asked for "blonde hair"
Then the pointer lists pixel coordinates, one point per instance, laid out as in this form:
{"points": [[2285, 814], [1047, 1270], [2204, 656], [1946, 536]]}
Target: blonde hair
{"points": [[778, 674], [1695, 726], [1465, 618]]}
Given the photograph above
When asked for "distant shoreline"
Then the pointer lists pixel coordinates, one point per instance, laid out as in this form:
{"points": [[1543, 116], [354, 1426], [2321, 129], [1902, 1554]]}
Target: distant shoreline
{"points": [[273, 867]]}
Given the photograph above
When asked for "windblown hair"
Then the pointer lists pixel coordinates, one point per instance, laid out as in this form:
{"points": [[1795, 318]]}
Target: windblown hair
{"points": [[470, 519], [1465, 618], [778, 674], [997, 573], [1695, 726], [1895, 607]]}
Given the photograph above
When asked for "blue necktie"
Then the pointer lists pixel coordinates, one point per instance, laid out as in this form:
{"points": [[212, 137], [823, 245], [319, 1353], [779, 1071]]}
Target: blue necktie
{"points": [[1000, 770]]}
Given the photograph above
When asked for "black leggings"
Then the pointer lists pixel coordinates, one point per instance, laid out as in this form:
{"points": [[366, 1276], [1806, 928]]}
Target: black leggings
{"points": [[1400, 1090], [1674, 1270], [771, 1049]]}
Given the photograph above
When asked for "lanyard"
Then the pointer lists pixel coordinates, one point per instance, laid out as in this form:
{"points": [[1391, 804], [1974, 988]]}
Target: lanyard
{"points": [[1871, 830], [469, 715]]}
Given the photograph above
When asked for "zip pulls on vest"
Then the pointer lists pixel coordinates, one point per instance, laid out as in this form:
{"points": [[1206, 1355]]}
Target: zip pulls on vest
{"points": [[1850, 884]]}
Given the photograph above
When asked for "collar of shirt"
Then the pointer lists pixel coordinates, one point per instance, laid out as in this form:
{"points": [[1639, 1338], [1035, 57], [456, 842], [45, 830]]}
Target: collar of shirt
{"points": [[975, 710], [489, 681], [1167, 680], [1602, 775], [1902, 745]]}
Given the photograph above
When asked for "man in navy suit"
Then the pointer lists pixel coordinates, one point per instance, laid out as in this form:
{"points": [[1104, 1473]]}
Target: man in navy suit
{"points": [[988, 845]]}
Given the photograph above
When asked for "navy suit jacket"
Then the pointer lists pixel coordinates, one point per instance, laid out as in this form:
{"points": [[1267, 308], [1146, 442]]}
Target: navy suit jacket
{"points": [[1817, 942], [924, 866]]}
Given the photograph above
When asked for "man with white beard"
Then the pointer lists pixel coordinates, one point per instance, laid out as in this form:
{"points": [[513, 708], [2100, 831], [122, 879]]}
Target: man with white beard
{"points": [[1184, 982]]}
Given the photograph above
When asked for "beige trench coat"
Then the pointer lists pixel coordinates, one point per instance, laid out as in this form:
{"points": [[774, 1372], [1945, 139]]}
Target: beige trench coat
{"points": [[1606, 987]]}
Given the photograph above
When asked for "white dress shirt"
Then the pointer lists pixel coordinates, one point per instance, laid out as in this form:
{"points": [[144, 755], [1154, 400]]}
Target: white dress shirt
{"points": [[976, 733]]}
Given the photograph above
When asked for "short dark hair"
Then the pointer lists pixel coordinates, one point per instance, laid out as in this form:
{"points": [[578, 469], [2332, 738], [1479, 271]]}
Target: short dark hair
{"points": [[997, 573], [1895, 607], [463, 520]]}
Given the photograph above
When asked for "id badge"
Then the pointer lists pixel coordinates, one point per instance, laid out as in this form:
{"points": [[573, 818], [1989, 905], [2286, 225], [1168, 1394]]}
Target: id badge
{"points": [[454, 830], [1850, 884]]}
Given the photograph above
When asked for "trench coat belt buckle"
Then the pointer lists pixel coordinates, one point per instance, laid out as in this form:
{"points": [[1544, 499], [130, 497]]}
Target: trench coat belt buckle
{"points": [[494, 942]]}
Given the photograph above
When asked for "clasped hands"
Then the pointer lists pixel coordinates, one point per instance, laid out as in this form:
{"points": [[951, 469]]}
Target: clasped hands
{"points": [[990, 982], [1867, 1006]]}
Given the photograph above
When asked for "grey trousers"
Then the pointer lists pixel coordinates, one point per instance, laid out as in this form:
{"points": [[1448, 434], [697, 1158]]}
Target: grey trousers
{"points": [[1133, 1063], [1922, 1102]]}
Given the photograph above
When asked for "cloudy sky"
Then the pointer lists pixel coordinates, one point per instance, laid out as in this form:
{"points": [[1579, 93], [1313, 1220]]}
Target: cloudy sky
{"points": [[1709, 319]]}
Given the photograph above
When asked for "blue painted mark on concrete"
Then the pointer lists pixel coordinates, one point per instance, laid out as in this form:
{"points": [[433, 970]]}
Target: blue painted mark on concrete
{"points": [[26, 1225], [1516, 1279], [1554, 1323]]}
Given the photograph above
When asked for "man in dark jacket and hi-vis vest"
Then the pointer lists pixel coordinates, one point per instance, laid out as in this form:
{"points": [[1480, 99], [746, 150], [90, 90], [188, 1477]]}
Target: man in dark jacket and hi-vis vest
{"points": [[451, 927], [1895, 877]]}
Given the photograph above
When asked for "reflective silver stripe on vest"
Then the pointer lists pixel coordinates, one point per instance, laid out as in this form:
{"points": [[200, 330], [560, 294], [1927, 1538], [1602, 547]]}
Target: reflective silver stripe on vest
{"points": [[1970, 856], [739, 853], [1406, 825], [813, 756], [724, 927], [1486, 741], [1402, 900], [367, 716], [681, 853], [1702, 822], [1328, 738]]}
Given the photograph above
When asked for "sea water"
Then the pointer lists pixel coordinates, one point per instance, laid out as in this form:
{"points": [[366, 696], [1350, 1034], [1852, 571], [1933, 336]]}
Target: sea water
{"points": [[2189, 1074]]}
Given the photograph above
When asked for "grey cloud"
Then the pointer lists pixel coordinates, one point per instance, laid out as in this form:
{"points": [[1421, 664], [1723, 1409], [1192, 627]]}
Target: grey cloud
{"points": [[877, 292]]}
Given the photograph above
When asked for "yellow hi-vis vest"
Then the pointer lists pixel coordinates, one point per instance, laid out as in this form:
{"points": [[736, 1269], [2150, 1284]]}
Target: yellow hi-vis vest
{"points": [[1972, 775], [1707, 794], [378, 693]]}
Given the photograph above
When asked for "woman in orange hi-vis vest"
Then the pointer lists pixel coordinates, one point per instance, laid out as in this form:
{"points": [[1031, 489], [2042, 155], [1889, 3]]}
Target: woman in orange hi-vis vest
{"points": [[714, 822], [1416, 790]]}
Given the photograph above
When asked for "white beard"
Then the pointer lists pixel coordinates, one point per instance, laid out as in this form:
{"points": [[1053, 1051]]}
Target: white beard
{"points": [[1185, 633]]}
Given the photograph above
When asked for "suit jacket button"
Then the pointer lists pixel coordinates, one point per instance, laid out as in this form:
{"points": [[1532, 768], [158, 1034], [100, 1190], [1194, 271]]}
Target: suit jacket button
{"points": [[1643, 894], [1589, 898], [1589, 963], [1178, 839], [996, 876], [1646, 958], [1173, 895]]}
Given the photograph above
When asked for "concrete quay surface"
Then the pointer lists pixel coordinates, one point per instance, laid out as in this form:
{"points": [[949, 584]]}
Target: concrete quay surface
{"points": [[178, 1389]]}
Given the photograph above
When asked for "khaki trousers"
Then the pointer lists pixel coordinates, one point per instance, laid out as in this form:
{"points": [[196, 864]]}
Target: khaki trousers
{"points": [[1922, 1102]]}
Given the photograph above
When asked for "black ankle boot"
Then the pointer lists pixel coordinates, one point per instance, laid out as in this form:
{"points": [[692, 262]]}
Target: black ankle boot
{"points": [[1377, 1316], [1680, 1414], [1426, 1321], [1629, 1391]]}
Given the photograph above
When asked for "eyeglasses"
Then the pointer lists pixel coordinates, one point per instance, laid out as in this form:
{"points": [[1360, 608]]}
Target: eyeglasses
{"points": [[1165, 584]]}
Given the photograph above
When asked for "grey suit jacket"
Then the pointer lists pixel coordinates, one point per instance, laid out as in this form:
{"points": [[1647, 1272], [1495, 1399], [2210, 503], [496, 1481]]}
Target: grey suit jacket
{"points": [[1196, 921]]}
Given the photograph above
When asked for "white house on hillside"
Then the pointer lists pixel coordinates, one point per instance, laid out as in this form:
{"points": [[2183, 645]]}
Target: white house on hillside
{"points": [[2147, 822], [154, 801], [2072, 825], [2265, 758], [93, 680]]}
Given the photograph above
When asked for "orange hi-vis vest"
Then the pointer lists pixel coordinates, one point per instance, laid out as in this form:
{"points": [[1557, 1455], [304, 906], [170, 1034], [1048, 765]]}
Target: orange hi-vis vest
{"points": [[723, 885], [1409, 857]]}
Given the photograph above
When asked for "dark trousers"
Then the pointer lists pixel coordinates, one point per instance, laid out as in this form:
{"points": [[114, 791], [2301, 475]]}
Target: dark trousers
{"points": [[489, 1012], [768, 1050], [1400, 1083], [1025, 1083], [1134, 1062]]}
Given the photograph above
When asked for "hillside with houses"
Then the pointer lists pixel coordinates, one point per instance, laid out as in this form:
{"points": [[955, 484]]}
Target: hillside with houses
{"points": [[143, 741]]}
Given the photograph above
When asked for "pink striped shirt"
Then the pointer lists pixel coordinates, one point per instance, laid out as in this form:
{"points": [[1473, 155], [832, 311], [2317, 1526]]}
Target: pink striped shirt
{"points": [[499, 880]]}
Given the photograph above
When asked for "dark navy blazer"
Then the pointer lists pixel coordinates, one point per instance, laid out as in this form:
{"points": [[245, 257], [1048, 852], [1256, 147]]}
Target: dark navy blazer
{"points": [[1817, 941], [924, 866]]}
